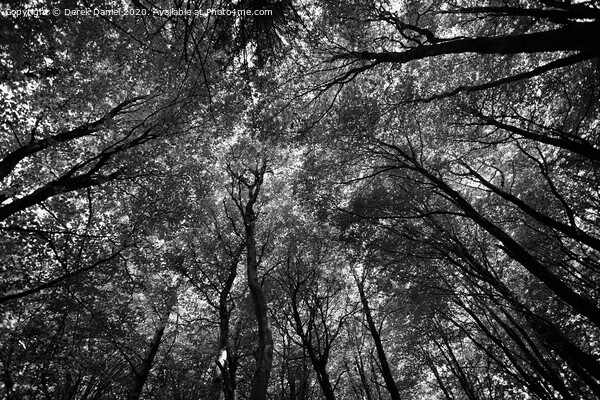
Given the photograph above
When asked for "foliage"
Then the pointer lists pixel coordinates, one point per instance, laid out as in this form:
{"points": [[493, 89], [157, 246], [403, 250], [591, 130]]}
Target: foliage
{"points": [[352, 200]]}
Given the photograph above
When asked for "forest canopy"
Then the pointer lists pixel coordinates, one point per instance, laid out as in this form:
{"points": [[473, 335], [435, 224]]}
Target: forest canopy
{"points": [[300, 199]]}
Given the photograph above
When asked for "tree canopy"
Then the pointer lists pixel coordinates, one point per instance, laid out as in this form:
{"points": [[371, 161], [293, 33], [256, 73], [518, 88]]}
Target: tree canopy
{"points": [[289, 199]]}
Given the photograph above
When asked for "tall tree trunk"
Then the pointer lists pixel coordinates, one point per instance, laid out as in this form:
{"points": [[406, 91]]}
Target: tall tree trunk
{"points": [[323, 379], [222, 379], [547, 332], [318, 360], [360, 368], [386, 371], [573, 37], [579, 302], [142, 371], [447, 393], [264, 352]]}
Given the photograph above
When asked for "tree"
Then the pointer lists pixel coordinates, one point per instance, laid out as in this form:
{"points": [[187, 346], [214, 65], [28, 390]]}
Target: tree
{"points": [[246, 181], [315, 310], [419, 32], [410, 187], [375, 334]]}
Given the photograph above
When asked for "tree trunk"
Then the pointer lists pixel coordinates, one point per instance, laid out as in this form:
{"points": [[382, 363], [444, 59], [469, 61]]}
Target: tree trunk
{"points": [[142, 371], [222, 379], [360, 368], [318, 360], [324, 381], [511, 247], [388, 377], [578, 36], [585, 365], [264, 352]]}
